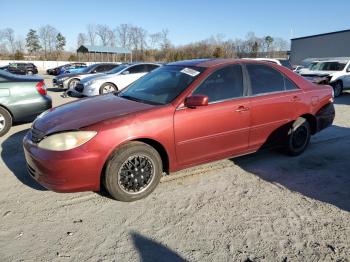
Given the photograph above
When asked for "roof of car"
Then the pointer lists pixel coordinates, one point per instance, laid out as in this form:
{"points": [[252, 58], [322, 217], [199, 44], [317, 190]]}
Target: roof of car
{"points": [[212, 62]]}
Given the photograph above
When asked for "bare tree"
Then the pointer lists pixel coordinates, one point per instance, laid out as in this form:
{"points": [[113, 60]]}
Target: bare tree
{"points": [[111, 38], [103, 31], [81, 39], [91, 34], [47, 35], [123, 34], [9, 36], [20, 45], [165, 42], [155, 40]]}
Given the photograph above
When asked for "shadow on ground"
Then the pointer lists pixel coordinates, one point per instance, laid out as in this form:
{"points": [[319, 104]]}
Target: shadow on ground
{"points": [[55, 89], [13, 157], [343, 99], [322, 172], [152, 251]]}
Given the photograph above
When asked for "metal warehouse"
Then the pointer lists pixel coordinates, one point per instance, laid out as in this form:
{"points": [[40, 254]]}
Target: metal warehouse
{"points": [[334, 44]]}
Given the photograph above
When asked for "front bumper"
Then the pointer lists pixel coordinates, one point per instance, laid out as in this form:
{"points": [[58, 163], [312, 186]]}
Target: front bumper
{"points": [[325, 117], [69, 171]]}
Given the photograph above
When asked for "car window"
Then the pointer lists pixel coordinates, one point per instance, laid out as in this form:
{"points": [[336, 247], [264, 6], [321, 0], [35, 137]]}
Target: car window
{"points": [[264, 79], [137, 69], [225, 83], [100, 68], [289, 85], [150, 67]]}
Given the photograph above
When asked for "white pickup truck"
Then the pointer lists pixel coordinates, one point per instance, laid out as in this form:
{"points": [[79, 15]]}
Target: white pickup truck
{"points": [[337, 72]]}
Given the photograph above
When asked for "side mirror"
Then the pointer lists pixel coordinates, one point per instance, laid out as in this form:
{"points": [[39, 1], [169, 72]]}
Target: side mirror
{"points": [[126, 72], [196, 100]]}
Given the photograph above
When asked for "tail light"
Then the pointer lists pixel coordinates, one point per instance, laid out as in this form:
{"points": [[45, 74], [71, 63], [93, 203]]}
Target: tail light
{"points": [[41, 88]]}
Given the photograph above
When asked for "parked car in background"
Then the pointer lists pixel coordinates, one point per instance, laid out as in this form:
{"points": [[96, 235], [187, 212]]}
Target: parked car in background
{"points": [[55, 71], [21, 98], [114, 80], [297, 69], [71, 80], [71, 69], [21, 68], [333, 72], [278, 61], [181, 115]]}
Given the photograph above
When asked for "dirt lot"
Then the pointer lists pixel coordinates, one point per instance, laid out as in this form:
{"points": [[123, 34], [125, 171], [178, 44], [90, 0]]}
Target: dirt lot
{"points": [[263, 207]]}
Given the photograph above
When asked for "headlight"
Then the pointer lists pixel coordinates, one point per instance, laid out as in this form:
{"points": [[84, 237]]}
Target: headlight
{"points": [[66, 141]]}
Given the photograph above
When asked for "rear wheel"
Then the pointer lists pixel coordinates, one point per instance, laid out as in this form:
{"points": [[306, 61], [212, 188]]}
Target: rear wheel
{"points": [[30, 73], [298, 137], [338, 88], [133, 172], [72, 83], [108, 88], [5, 121]]}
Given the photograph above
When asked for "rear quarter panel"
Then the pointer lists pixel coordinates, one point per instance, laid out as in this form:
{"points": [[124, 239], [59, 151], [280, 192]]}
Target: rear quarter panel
{"points": [[23, 99]]}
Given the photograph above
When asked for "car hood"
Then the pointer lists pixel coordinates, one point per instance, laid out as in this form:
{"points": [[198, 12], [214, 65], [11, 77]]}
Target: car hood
{"points": [[86, 79], [90, 76], [70, 75], [86, 112]]}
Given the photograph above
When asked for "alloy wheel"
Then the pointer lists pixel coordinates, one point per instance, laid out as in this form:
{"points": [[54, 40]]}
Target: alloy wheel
{"points": [[337, 89], [108, 89], [300, 136], [2, 122], [136, 174]]}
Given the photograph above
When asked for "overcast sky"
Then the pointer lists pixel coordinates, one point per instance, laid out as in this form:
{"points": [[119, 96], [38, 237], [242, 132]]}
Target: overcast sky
{"points": [[187, 20]]}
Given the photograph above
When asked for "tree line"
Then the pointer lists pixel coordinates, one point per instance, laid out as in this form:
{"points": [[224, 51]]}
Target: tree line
{"points": [[47, 43]]}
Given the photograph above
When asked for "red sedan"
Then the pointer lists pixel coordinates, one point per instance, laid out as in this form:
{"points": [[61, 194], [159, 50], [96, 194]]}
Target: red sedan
{"points": [[180, 115]]}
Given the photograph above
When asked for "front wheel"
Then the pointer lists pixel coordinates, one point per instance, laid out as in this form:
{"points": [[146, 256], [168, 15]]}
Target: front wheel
{"points": [[338, 88], [5, 121], [72, 83], [108, 88], [298, 137], [133, 172]]}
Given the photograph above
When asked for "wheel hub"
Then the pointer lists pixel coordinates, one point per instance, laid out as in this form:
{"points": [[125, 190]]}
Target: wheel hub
{"points": [[299, 137], [2, 122], [136, 174]]}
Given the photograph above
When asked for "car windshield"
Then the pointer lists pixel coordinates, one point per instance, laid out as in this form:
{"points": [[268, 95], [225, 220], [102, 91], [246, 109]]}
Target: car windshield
{"points": [[328, 66], [89, 68], [162, 85], [117, 69]]}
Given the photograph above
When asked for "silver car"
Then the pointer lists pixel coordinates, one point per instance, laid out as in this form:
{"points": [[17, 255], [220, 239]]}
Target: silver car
{"points": [[114, 80]]}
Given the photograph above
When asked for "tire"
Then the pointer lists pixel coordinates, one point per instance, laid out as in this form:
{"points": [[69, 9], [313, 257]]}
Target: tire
{"points": [[72, 83], [30, 73], [133, 162], [298, 137], [108, 86], [338, 88], [5, 121]]}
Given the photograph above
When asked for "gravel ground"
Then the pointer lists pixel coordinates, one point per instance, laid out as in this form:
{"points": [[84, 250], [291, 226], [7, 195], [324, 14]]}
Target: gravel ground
{"points": [[263, 207]]}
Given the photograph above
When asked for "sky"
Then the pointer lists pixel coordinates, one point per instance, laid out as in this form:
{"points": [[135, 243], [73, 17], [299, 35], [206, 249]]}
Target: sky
{"points": [[187, 20]]}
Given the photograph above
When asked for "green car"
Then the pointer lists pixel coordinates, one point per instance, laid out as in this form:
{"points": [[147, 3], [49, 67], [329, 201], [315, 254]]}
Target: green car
{"points": [[22, 98]]}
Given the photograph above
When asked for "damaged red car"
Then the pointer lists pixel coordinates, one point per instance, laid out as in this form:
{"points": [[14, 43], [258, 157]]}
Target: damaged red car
{"points": [[181, 115]]}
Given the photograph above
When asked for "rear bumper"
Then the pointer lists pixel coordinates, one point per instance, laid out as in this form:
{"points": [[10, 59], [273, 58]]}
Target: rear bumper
{"points": [[325, 117]]}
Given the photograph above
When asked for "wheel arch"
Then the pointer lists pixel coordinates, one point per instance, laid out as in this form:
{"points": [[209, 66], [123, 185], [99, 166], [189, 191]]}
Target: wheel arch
{"points": [[8, 110], [312, 121]]}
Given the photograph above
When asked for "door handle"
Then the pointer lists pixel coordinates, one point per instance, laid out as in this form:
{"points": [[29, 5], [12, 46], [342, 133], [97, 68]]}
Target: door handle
{"points": [[242, 109], [296, 98]]}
